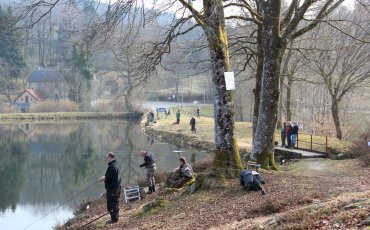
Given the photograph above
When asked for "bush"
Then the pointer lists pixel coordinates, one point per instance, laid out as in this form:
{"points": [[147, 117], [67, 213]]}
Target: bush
{"points": [[159, 176], [102, 105], [54, 106], [270, 206], [202, 165], [361, 150], [7, 109]]}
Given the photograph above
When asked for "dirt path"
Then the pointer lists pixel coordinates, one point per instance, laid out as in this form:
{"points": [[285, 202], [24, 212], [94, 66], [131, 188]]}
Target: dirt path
{"points": [[225, 205]]}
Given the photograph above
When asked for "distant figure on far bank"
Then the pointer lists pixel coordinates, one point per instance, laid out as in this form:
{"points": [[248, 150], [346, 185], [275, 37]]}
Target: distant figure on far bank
{"points": [[288, 133], [192, 123], [294, 134], [198, 112], [283, 137], [178, 114]]}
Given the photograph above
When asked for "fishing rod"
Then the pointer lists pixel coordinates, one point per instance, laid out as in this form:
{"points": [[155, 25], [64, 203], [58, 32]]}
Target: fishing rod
{"points": [[65, 202], [95, 219]]}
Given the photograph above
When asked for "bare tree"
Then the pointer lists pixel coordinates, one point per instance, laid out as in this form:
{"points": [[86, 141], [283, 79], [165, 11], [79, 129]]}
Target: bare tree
{"points": [[343, 64], [211, 20], [127, 51]]}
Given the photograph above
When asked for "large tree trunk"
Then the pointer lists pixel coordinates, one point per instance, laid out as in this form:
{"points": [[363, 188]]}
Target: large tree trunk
{"points": [[335, 114], [128, 96], [272, 43], [177, 81], [281, 98], [259, 74], [289, 99], [227, 159]]}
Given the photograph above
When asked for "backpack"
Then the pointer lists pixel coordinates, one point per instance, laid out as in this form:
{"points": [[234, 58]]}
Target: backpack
{"points": [[250, 181]]}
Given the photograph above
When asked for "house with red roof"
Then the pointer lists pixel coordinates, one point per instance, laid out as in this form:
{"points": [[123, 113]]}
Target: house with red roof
{"points": [[50, 82], [42, 84], [28, 97]]}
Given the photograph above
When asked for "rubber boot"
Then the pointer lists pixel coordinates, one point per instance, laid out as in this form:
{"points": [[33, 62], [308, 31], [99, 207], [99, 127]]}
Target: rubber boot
{"points": [[153, 188], [150, 191]]}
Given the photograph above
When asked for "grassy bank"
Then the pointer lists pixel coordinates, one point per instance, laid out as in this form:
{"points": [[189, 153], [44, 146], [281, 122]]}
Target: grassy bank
{"points": [[205, 111], [243, 133], [306, 194], [70, 115], [295, 199]]}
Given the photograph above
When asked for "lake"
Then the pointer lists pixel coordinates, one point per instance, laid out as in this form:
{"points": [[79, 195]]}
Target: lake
{"points": [[45, 164]]}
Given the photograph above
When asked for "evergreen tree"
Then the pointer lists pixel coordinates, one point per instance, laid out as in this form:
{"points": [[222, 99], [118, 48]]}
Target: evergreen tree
{"points": [[79, 79], [11, 58]]}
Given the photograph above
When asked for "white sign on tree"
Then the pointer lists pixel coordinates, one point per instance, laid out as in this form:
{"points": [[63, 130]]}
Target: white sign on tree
{"points": [[229, 80]]}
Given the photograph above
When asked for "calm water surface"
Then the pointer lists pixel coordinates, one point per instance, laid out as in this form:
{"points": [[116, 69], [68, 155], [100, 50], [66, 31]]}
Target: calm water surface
{"points": [[42, 165]]}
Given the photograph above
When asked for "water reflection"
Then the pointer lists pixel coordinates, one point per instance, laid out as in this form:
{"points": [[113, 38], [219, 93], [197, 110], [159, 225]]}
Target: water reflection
{"points": [[44, 164]]}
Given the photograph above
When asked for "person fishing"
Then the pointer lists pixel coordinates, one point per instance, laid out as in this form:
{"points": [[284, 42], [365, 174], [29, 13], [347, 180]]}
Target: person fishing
{"points": [[150, 167], [192, 124], [112, 183], [185, 173]]}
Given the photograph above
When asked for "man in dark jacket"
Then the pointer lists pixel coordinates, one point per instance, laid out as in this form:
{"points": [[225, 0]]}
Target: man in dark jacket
{"points": [[150, 166], [178, 114], [288, 133], [283, 137], [192, 123], [112, 183], [294, 134]]}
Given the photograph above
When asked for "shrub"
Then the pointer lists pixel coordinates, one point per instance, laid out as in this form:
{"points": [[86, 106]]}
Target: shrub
{"points": [[54, 106], [102, 106], [202, 165], [361, 150], [7, 109], [159, 176], [270, 206]]}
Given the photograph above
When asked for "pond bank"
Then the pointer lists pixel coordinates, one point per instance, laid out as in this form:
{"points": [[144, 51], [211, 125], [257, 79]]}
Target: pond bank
{"points": [[71, 116], [180, 135], [225, 205], [299, 197]]}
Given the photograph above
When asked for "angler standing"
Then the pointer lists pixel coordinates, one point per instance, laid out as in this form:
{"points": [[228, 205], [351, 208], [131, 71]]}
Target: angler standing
{"points": [[150, 166], [112, 182]]}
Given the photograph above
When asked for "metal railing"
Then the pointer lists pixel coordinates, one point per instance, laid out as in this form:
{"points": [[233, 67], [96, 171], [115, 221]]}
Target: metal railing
{"points": [[311, 143]]}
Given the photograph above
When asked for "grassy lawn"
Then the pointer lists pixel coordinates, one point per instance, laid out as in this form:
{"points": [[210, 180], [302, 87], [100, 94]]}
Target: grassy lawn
{"points": [[205, 128], [206, 111], [65, 115], [205, 131]]}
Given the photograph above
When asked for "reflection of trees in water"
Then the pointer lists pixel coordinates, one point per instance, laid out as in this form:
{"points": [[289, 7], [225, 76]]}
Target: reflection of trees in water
{"points": [[47, 129], [131, 168], [80, 163], [59, 166], [12, 170]]}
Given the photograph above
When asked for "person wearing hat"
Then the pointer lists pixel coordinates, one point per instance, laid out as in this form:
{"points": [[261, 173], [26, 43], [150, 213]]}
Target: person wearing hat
{"points": [[283, 137], [150, 167], [192, 124], [185, 173], [294, 134], [112, 183], [178, 114]]}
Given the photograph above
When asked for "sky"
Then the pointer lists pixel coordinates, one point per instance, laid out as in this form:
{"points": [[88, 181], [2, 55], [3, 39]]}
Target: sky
{"points": [[198, 3]]}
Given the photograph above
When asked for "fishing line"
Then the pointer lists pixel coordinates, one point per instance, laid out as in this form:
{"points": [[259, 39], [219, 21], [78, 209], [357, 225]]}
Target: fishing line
{"points": [[95, 219], [61, 205]]}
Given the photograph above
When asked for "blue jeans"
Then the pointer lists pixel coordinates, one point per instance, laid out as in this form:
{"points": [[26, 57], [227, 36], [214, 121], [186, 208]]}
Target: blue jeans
{"points": [[294, 138]]}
